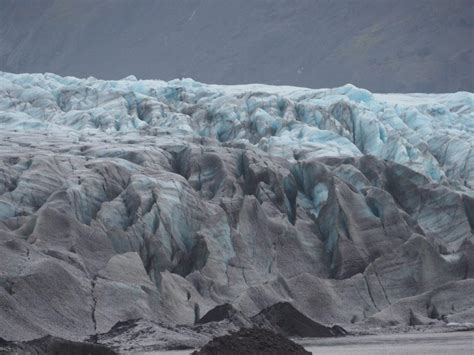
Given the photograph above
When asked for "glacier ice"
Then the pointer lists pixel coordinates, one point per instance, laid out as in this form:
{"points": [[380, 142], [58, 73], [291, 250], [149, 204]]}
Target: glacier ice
{"points": [[431, 134], [179, 196]]}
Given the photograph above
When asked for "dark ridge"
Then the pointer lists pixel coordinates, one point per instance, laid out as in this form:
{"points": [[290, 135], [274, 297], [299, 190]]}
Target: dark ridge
{"points": [[123, 326], [50, 345], [251, 341], [285, 319], [218, 313]]}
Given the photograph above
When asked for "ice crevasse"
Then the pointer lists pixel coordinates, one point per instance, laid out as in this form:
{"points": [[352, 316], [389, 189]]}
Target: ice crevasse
{"points": [[430, 133]]}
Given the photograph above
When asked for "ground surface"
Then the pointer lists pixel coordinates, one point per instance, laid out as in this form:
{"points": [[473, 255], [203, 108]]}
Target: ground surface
{"points": [[461, 343]]}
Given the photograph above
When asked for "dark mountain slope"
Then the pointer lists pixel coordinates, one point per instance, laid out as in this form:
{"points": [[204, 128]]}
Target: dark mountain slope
{"points": [[400, 46]]}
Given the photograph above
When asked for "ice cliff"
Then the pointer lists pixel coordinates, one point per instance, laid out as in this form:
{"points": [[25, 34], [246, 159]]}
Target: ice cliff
{"points": [[161, 200]]}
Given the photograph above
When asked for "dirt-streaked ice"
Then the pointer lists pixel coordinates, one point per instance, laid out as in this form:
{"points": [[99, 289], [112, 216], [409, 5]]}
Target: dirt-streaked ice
{"points": [[161, 200]]}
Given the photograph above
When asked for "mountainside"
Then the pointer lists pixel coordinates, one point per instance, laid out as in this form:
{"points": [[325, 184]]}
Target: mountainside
{"points": [[160, 200], [383, 45]]}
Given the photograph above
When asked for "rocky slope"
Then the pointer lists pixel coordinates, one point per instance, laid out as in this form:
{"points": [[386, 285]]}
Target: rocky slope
{"points": [[159, 200]]}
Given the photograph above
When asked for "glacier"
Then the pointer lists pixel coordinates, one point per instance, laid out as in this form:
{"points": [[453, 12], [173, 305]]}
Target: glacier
{"points": [[161, 200], [429, 133]]}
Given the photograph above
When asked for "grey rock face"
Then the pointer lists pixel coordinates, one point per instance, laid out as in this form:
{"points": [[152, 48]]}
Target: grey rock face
{"points": [[142, 199]]}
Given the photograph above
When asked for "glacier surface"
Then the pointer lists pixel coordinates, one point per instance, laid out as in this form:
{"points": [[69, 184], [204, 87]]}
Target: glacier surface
{"points": [[431, 134], [160, 200]]}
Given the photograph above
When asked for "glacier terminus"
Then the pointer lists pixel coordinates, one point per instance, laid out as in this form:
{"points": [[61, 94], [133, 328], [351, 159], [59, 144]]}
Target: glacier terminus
{"points": [[154, 202]]}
